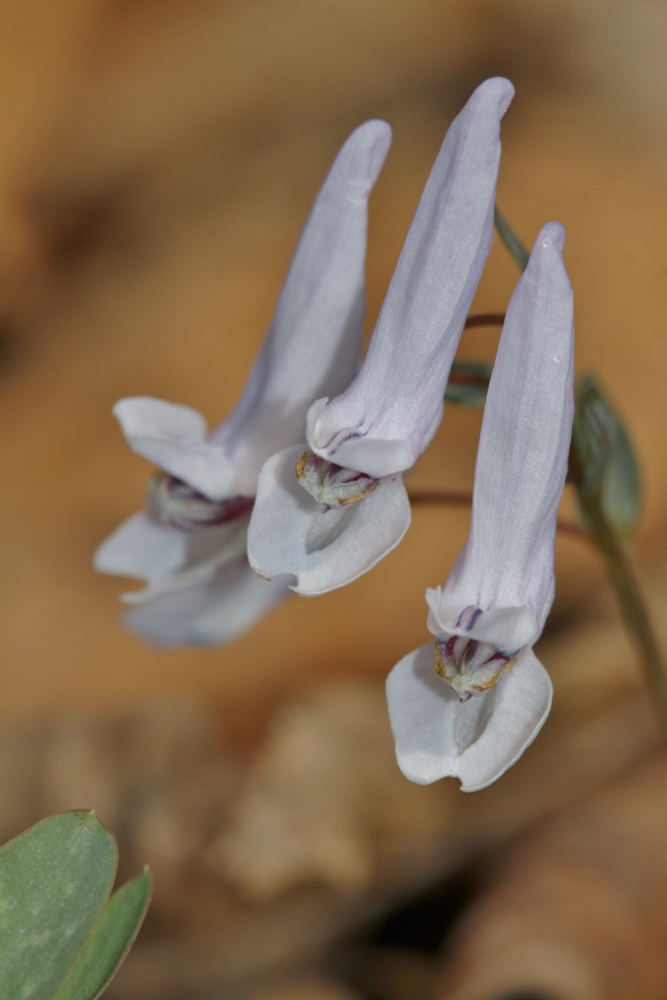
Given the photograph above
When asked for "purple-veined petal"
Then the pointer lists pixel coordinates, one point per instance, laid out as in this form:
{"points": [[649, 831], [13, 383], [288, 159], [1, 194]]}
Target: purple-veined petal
{"points": [[439, 736], [506, 628], [209, 612], [312, 346], [321, 550], [388, 415], [173, 437], [165, 557], [523, 452]]}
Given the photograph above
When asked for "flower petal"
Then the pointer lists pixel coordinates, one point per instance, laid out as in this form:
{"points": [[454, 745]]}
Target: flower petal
{"points": [[438, 736], [215, 611], [142, 548], [523, 450], [508, 629], [290, 534], [173, 437], [390, 412], [206, 553], [312, 346], [166, 558]]}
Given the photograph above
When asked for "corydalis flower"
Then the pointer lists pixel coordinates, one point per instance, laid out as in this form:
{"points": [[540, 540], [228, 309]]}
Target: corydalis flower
{"points": [[492, 695], [190, 544], [358, 443]]}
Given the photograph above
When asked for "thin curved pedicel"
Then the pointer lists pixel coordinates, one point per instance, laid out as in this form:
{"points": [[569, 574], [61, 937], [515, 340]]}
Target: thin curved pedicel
{"points": [[507, 566], [388, 415]]}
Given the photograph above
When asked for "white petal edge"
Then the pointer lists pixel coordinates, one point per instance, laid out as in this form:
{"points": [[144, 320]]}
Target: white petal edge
{"points": [[141, 547], [166, 558], [207, 552], [209, 613], [438, 736], [173, 437], [285, 518]]}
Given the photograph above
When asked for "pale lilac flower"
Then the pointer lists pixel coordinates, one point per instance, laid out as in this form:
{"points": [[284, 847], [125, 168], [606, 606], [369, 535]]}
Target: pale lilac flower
{"points": [[189, 545], [493, 695], [347, 507]]}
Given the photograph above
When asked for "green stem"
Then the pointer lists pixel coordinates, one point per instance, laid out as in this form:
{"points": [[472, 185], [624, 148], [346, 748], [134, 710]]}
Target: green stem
{"points": [[633, 606], [511, 240]]}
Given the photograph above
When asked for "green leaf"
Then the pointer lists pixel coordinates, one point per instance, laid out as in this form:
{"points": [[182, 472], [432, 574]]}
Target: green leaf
{"points": [[54, 880], [593, 433], [468, 383], [511, 240], [58, 929], [605, 457], [622, 493], [110, 941]]}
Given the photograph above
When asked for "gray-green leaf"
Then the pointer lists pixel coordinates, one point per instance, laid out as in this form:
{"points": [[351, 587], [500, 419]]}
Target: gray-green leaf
{"points": [[606, 457], [109, 942], [55, 881], [622, 491]]}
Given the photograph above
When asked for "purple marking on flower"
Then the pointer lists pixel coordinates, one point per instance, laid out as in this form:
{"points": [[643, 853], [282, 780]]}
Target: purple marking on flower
{"points": [[470, 667], [331, 485], [468, 617], [175, 503]]}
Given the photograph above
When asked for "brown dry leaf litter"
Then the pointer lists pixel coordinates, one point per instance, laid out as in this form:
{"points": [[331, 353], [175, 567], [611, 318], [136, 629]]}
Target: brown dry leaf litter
{"points": [[578, 909]]}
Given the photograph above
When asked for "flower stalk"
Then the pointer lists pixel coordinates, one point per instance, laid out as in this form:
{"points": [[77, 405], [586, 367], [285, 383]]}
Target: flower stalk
{"points": [[625, 582]]}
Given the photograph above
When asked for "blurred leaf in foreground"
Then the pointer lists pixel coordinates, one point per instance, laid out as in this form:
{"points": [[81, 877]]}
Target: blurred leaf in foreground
{"points": [[61, 936]]}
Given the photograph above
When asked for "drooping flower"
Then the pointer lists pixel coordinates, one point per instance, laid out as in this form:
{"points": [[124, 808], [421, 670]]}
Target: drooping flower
{"points": [[189, 545], [347, 507], [474, 715]]}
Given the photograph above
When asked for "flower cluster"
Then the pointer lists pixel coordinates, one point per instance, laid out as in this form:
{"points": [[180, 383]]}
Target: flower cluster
{"points": [[303, 483]]}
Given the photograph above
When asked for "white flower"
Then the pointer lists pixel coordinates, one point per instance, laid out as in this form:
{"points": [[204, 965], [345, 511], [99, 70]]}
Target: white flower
{"points": [[189, 545], [493, 695], [348, 507]]}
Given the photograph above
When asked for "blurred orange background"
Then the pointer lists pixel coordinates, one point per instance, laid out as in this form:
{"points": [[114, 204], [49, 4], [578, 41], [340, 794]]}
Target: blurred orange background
{"points": [[157, 162]]}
